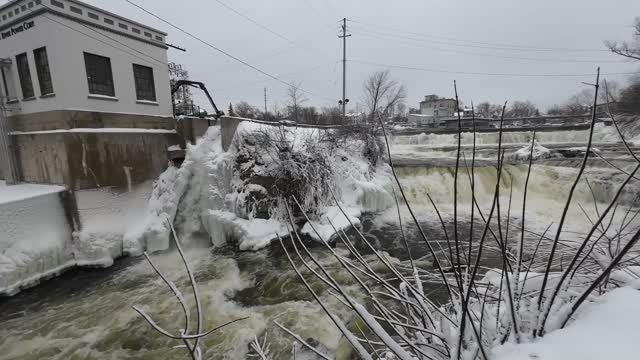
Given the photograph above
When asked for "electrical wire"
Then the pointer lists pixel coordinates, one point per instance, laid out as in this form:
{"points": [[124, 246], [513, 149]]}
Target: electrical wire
{"points": [[225, 52], [255, 22], [369, 35], [481, 73], [483, 45]]}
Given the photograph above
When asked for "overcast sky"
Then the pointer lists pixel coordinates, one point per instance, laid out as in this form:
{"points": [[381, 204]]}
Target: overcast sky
{"points": [[449, 37]]}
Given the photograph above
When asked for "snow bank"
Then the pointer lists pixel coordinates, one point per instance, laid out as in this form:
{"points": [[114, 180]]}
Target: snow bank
{"points": [[539, 152], [251, 234], [331, 218], [606, 329], [25, 191], [35, 239]]}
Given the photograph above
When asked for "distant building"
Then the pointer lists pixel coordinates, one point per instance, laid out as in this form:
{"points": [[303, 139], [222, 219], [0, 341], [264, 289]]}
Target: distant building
{"points": [[422, 120], [465, 113], [437, 107], [68, 68]]}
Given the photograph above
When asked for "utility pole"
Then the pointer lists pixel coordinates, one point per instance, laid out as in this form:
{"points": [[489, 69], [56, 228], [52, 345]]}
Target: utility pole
{"points": [[344, 101], [265, 103]]}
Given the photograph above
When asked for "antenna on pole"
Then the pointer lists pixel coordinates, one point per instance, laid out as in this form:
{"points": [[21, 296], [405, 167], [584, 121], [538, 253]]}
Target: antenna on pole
{"points": [[344, 100]]}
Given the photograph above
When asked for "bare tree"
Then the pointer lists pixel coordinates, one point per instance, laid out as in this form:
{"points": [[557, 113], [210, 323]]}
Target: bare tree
{"points": [[330, 115], [614, 90], [245, 110], [523, 109], [382, 94], [630, 97], [296, 98], [555, 110], [626, 49], [488, 110]]}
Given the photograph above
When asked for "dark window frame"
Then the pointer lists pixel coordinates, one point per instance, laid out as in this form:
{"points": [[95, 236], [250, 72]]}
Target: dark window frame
{"points": [[24, 75], [93, 16], [76, 10], [144, 83], [123, 26], [43, 71], [57, 3], [5, 85], [108, 21], [99, 80]]}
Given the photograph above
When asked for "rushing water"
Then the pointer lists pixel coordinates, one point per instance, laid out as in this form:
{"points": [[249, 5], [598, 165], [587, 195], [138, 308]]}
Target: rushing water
{"points": [[86, 314]]}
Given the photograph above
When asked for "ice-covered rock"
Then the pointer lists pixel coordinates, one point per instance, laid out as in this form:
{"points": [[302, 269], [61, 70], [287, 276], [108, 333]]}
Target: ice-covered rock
{"points": [[238, 196], [539, 152]]}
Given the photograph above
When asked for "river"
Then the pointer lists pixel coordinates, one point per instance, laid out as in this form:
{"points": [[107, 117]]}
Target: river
{"points": [[86, 314]]}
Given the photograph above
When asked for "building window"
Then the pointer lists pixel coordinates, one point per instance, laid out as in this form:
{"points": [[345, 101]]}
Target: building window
{"points": [[93, 16], [10, 14], [23, 7], [38, 2], [43, 71], [108, 21], [123, 26], [99, 75], [159, 38], [135, 30], [75, 10], [147, 34], [22, 62], [5, 87], [57, 3], [145, 87], [17, 11], [30, 4]]}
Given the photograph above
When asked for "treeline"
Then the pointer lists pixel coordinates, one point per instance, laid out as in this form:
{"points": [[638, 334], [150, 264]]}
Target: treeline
{"points": [[301, 114]]}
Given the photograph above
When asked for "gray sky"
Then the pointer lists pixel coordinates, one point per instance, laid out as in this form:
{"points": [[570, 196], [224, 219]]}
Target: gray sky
{"points": [[458, 36]]}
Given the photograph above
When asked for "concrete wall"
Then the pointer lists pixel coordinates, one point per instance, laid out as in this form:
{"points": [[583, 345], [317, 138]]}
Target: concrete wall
{"points": [[66, 40], [90, 160], [189, 129], [228, 126], [70, 119]]}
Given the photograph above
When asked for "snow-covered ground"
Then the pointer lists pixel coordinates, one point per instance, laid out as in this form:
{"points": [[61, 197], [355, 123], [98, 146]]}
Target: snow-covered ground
{"points": [[604, 329]]}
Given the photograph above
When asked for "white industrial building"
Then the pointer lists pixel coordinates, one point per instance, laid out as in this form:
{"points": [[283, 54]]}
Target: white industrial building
{"points": [[68, 68], [67, 55]]}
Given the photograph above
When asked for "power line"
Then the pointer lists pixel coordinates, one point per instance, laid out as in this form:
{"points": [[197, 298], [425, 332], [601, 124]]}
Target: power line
{"points": [[255, 22], [222, 51], [480, 73], [101, 41], [489, 45], [484, 54]]}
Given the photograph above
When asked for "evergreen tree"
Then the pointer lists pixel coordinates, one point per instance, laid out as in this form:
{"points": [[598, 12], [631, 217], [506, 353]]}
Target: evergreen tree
{"points": [[231, 112]]}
